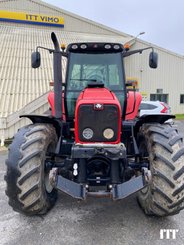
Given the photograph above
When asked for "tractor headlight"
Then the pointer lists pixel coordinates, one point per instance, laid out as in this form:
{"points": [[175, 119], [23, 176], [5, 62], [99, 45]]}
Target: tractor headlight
{"points": [[87, 133], [108, 133]]}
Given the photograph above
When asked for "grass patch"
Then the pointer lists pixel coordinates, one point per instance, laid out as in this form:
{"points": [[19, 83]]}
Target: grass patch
{"points": [[179, 116]]}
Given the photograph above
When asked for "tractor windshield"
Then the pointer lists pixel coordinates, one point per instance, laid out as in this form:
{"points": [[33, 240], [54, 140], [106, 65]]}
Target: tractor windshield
{"points": [[105, 67], [84, 68]]}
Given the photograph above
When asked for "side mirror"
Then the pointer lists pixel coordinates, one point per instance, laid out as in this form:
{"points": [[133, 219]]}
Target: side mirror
{"points": [[153, 60], [35, 59]]}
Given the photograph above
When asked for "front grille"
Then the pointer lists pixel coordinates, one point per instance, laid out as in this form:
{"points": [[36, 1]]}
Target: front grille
{"points": [[98, 121]]}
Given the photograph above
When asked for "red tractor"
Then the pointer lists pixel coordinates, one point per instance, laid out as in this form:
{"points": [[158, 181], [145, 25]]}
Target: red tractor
{"points": [[93, 143]]}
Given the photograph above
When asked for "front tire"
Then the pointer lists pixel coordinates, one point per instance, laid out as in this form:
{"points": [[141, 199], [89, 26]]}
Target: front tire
{"points": [[164, 148], [26, 172]]}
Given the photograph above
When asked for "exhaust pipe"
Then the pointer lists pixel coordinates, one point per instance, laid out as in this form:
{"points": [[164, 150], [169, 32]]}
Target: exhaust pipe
{"points": [[57, 63]]}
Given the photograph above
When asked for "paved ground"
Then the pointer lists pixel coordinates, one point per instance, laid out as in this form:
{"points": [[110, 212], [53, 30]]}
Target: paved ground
{"points": [[94, 222]]}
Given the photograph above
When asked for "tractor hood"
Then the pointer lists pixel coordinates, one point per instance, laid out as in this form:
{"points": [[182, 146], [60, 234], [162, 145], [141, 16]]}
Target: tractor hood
{"points": [[98, 112], [97, 94]]}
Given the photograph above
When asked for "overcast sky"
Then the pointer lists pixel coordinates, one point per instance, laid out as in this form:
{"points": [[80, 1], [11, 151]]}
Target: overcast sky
{"points": [[162, 21]]}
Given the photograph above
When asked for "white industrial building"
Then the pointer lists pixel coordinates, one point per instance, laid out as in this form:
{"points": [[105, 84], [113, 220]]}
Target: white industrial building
{"points": [[24, 24]]}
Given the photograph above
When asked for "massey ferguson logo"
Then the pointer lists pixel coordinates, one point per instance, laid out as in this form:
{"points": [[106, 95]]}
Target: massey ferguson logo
{"points": [[98, 106]]}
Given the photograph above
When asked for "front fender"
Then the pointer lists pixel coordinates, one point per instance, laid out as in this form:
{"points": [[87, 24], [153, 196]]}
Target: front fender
{"points": [[157, 118], [57, 124]]}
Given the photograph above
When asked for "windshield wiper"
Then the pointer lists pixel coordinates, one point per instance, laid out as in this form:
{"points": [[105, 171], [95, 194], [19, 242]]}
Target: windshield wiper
{"points": [[92, 83], [90, 80]]}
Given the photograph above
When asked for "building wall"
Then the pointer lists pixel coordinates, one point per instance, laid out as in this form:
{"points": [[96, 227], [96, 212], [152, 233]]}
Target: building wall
{"points": [[169, 76], [72, 22]]}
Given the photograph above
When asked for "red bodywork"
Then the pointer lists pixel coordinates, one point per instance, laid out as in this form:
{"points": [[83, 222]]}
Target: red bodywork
{"points": [[133, 104], [51, 102], [98, 96], [102, 96]]}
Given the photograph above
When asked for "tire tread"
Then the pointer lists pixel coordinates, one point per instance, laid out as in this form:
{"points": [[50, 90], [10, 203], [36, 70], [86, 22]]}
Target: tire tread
{"points": [[21, 168], [165, 195]]}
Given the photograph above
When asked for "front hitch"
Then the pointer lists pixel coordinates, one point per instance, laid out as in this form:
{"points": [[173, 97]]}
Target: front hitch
{"points": [[117, 191]]}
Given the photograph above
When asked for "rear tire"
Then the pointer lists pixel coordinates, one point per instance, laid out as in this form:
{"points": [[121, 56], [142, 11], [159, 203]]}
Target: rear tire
{"points": [[26, 174], [165, 150]]}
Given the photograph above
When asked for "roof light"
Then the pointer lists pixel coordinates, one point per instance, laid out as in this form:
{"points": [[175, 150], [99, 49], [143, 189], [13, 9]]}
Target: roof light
{"points": [[63, 46], [116, 46], [83, 46], [107, 46], [74, 46], [127, 46]]}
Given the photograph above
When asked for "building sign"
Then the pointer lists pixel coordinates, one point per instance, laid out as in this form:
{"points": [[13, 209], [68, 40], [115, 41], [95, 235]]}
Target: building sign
{"points": [[33, 19]]}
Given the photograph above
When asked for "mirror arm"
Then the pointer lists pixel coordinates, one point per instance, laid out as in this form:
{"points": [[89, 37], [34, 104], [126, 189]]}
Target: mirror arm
{"points": [[128, 53], [40, 47], [65, 54]]}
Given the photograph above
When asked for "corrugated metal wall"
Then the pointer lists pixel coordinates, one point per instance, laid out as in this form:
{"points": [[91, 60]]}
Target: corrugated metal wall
{"points": [[169, 75], [11, 128], [19, 83]]}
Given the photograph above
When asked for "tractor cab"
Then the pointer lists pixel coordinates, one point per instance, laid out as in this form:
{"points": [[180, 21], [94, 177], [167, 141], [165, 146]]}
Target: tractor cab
{"points": [[90, 65], [93, 65]]}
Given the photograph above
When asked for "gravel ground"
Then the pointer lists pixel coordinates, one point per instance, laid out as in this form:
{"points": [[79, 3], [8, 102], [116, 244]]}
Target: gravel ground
{"points": [[93, 222]]}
